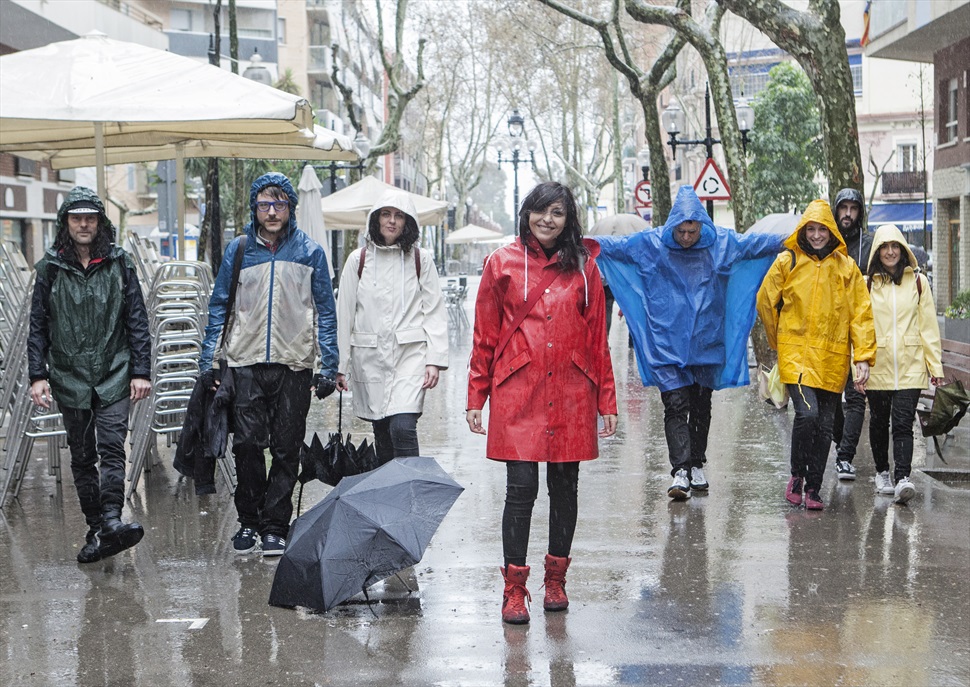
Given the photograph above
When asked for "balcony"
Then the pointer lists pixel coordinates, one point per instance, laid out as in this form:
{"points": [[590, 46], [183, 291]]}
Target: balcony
{"points": [[907, 183], [320, 60]]}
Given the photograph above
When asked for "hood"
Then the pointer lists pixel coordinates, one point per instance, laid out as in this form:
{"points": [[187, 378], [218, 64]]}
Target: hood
{"points": [[84, 193], [687, 207], [817, 211], [851, 194], [885, 234], [272, 179], [393, 198]]}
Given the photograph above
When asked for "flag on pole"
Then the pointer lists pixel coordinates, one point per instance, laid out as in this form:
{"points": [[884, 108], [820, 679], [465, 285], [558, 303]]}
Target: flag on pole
{"points": [[864, 41]]}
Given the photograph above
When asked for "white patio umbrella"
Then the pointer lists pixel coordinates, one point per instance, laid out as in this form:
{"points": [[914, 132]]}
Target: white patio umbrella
{"points": [[348, 207], [618, 225], [472, 233], [97, 93], [309, 216]]}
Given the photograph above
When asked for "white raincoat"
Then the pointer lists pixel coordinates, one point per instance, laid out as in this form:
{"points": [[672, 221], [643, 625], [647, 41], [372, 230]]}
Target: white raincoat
{"points": [[390, 323]]}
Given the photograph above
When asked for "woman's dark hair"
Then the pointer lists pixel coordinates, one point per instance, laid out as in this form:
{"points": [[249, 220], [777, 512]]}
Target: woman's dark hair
{"points": [[876, 266], [100, 247], [409, 236], [569, 245]]}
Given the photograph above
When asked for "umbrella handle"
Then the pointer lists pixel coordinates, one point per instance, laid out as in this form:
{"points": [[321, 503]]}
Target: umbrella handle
{"points": [[340, 412]]}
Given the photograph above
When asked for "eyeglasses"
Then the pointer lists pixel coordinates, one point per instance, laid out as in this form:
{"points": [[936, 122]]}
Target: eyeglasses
{"points": [[279, 205]]}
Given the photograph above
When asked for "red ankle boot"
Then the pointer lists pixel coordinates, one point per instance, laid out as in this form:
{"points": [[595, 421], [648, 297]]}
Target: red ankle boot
{"points": [[514, 610], [555, 582]]}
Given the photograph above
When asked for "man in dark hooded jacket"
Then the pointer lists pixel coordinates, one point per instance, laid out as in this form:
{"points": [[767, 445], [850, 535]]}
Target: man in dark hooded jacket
{"points": [[283, 321], [850, 213], [89, 343]]}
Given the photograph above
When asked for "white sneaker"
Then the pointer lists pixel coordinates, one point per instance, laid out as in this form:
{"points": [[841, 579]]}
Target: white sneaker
{"points": [[698, 482], [904, 490], [680, 489], [884, 484]]}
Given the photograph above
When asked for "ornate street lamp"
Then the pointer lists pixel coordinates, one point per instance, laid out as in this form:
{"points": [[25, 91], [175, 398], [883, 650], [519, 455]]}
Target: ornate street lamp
{"points": [[672, 119], [516, 124]]}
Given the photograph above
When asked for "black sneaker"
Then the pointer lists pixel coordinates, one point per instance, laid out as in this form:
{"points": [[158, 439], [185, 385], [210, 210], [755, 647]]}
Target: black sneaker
{"points": [[845, 470], [91, 551], [244, 541], [273, 545]]}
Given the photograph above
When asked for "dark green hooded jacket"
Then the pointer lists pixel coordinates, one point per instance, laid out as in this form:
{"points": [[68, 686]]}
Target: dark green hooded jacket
{"points": [[88, 327]]}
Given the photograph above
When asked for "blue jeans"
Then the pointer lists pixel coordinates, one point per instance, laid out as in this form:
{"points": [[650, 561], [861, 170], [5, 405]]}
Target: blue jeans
{"points": [[98, 435], [847, 427], [811, 433]]}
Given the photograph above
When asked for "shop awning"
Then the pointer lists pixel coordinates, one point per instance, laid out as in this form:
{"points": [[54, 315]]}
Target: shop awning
{"points": [[906, 216]]}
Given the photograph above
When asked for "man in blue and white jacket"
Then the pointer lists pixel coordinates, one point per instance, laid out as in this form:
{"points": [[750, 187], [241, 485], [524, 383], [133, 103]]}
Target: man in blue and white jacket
{"points": [[284, 320]]}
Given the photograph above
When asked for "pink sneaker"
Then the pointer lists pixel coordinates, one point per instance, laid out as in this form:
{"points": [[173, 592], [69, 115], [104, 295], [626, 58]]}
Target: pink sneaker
{"points": [[793, 492], [813, 501]]}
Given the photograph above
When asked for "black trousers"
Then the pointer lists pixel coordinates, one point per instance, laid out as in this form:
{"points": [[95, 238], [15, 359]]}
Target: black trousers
{"points": [[396, 435], [811, 433], [269, 411], [898, 407], [847, 426], [522, 488], [97, 435], [687, 422]]}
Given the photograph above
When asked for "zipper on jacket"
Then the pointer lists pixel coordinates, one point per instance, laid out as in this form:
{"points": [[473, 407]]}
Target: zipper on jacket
{"points": [[895, 346], [269, 312]]}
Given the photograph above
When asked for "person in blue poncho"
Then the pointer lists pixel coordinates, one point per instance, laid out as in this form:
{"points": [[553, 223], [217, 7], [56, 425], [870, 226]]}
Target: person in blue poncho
{"points": [[688, 291]]}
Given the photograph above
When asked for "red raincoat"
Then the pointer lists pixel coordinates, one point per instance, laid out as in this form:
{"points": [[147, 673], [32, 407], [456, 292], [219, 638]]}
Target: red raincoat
{"points": [[555, 374]]}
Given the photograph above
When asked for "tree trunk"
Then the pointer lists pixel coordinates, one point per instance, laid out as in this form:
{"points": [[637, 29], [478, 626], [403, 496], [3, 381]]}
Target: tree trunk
{"points": [[816, 40]]}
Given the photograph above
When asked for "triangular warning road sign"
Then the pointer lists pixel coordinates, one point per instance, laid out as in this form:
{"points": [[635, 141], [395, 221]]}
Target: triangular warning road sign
{"points": [[711, 185]]}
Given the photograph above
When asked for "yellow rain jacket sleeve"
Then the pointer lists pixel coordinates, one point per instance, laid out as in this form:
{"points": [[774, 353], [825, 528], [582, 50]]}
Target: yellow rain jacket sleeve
{"points": [[816, 312]]}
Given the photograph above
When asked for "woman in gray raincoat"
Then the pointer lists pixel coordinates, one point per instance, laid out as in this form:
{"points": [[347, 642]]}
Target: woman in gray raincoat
{"points": [[392, 327]]}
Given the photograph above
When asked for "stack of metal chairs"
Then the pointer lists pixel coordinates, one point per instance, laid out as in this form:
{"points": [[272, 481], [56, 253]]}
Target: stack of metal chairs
{"points": [[24, 422], [177, 298]]}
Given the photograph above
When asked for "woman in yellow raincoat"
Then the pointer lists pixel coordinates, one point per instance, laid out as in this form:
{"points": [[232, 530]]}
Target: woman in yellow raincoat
{"points": [[817, 315], [908, 337]]}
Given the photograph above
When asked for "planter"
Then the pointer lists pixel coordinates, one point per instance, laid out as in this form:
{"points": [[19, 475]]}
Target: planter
{"points": [[956, 330]]}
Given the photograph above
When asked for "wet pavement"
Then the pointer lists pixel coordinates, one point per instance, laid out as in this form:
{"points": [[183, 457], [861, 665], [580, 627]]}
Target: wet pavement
{"points": [[733, 588]]}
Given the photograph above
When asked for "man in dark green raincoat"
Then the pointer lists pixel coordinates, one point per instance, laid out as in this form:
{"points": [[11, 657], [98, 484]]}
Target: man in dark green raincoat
{"points": [[90, 346]]}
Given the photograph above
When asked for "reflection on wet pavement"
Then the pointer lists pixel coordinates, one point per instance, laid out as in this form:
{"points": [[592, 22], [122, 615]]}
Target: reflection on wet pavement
{"points": [[735, 588]]}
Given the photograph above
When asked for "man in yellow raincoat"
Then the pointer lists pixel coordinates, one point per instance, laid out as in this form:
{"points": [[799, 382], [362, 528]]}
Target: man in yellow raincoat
{"points": [[817, 315]]}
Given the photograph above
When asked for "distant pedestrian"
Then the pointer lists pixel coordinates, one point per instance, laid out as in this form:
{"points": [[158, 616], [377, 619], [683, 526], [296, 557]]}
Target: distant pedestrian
{"points": [[282, 322], [672, 286], [908, 337], [817, 315], [541, 360], [392, 325], [850, 216], [89, 343]]}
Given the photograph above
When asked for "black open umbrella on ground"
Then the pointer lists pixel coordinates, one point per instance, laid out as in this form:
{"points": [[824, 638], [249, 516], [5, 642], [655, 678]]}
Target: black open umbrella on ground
{"points": [[368, 528]]}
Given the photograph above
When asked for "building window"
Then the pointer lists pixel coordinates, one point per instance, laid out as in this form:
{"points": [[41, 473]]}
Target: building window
{"points": [[24, 167], [948, 111], [906, 159], [855, 67], [281, 31], [180, 19]]}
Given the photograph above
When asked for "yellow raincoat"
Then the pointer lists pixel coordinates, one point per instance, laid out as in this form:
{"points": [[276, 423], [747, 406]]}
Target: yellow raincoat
{"points": [[824, 315], [907, 332]]}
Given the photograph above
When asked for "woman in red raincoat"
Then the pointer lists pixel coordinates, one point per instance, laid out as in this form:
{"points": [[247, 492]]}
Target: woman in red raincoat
{"points": [[541, 359]]}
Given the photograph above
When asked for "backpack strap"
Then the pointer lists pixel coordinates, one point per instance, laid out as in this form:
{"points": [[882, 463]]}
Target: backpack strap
{"points": [[417, 261], [231, 300]]}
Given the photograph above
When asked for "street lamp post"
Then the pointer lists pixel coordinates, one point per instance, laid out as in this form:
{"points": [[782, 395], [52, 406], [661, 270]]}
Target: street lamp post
{"points": [[516, 123], [362, 143], [673, 122]]}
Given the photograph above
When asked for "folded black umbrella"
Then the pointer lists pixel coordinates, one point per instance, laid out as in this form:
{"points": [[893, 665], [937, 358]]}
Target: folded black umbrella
{"points": [[368, 528], [950, 403]]}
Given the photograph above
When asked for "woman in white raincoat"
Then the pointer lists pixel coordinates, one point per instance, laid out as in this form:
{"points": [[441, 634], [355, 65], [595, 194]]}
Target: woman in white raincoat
{"points": [[392, 327], [908, 357]]}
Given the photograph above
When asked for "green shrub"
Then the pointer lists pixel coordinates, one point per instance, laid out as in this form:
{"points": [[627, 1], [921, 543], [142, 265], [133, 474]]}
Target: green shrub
{"points": [[960, 307]]}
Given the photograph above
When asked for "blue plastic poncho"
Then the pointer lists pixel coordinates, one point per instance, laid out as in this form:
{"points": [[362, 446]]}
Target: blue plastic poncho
{"points": [[689, 310]]}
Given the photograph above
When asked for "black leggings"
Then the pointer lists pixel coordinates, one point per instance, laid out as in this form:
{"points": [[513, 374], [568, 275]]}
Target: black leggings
{"points": [[562, 480]]}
